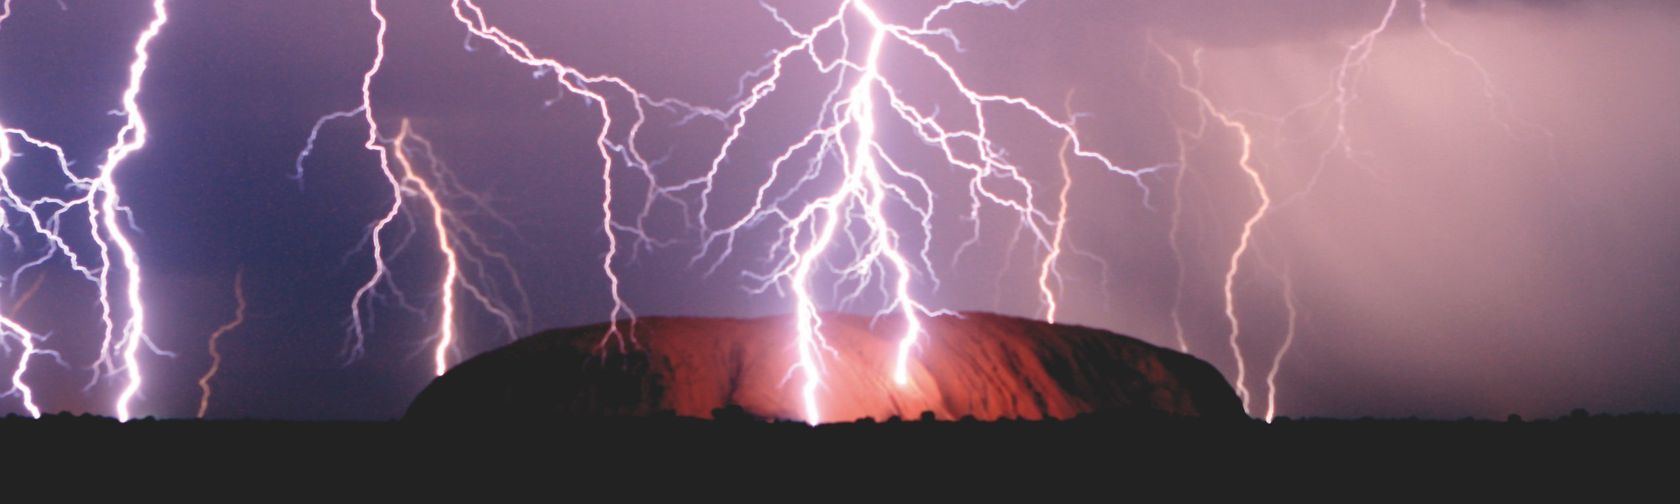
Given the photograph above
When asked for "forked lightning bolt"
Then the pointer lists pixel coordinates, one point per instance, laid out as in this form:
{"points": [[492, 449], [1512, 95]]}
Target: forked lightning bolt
{"points": [[1245, 161], [1342, 95], [108, 220], [602, 91], [467, 259], [451, 234], [870, 179], [8, 326]]}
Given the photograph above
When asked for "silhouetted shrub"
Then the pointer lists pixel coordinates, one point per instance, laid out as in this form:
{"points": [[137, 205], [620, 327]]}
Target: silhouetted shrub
{"points": [[733, 413]]}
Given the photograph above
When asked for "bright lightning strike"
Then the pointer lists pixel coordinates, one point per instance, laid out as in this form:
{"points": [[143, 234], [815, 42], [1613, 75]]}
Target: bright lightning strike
{"points": [[871, 178], [129, 140], [375, 237], [1048, 268], [468, 262], [602, 91], [10, 327], [1289, 303], [1245, 162], [99, 197]]}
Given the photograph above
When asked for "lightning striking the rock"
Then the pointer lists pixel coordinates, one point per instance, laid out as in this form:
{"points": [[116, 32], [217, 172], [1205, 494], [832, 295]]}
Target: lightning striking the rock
{"points": [[871, 178], [1048, 268]]}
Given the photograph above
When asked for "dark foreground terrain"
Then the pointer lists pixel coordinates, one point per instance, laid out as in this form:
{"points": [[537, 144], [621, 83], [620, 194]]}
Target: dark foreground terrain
{"points": [[1113, 452], [997, 403]]}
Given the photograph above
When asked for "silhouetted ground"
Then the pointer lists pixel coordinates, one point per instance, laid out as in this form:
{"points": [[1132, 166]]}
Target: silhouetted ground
{"points": [[1170, 431], [1112, 452]]}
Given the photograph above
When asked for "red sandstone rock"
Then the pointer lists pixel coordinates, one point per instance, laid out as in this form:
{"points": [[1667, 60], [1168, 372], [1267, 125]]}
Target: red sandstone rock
{"points": [[983, 365]]}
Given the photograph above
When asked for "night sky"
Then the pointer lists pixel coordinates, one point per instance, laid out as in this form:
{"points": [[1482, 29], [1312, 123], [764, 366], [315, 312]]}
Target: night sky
{"points": [[1498, 237]]}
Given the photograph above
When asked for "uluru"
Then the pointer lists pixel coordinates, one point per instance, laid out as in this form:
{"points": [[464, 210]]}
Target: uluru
{"points": [[979, 365]]}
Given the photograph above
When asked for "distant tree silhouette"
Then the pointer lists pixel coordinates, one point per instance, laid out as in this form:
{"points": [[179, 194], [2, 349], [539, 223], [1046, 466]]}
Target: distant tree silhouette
{"points": [[733, 413], [928, 416]]}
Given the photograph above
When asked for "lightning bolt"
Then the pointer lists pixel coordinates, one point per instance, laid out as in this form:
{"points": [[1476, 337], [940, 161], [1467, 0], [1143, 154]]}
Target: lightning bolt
{"points": [[463, 248], [599, 90], [442, 221], [1175, 227], [130, 139], [45, 214], [452, 269], [9, 327], [1048, 268], [216, 336], [1344, 94], [467, 259], [1289, 303], [356, 346], [46, 227], [870, 179], [1245, 163], [27, 338], [1339, 99], [100, 196], [103, 202]]}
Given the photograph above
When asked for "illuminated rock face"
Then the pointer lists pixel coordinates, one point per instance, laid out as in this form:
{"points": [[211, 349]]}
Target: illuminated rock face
{"points": [[983, 365]]}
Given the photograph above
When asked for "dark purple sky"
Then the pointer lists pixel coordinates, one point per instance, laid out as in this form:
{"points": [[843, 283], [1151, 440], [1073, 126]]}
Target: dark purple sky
{"points": [[1452, 266]]}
